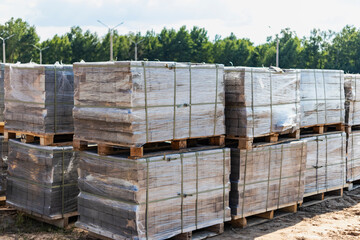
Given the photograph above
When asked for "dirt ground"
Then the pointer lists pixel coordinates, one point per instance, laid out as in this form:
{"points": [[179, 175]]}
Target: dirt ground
{"points": [[332, 219]]}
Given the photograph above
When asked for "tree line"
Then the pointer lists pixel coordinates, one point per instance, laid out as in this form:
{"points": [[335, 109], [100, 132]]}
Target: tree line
{"points": [[321, 49]]}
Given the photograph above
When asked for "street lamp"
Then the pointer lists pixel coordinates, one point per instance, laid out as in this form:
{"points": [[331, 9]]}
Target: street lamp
{"points": [[277, 49], [40, 49], [136, 44], [4, 39], [111, 37]]}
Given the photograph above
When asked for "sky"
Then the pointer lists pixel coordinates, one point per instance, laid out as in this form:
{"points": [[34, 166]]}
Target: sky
{"points": [[254, 19]]}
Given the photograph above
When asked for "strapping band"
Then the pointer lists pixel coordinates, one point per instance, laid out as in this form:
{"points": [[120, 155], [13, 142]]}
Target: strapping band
{"points": [[146, 104]]}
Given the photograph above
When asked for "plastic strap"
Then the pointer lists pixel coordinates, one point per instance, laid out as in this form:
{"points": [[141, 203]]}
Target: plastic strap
{"points": [[190, 99], [197, 189], [354, 101], [55, 103], [342, 158], [174, 121], [271, 106], [341, 103], [147, 199], [326, 163], [182, 192], [224, 182], [316, 96], [296, 96], [62, 183], [216, 96], [243, 201], [268, 180], [146, 104], [324, 96], [300, 173], [281, 163], [252, 103], [317, 164]]}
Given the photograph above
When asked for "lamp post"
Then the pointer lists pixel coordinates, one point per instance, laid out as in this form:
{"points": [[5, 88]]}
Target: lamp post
{"points": [[111, 37], [40, 49], [277, 49], [136, 44], [4, 39]]}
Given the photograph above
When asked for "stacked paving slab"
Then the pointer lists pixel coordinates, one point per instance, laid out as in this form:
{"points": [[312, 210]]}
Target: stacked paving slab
{"points": [[270, 173], [42, 180], [163, 192]]}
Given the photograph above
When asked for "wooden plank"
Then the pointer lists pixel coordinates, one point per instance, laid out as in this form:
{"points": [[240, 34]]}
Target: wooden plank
{"points": [[218, 140], [178, 144]]}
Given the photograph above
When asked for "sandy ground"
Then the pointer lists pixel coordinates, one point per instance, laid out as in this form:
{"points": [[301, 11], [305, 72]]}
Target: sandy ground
{"points": [[332, 219]]}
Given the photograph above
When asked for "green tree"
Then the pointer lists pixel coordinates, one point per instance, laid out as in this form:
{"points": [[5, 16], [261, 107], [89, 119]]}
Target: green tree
{"points": [[20, 46]]}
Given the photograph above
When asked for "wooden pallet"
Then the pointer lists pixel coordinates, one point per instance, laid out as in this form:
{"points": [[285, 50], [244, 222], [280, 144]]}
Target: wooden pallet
{"points": [[249, 143], [199, 234], [252, 220], [2, 200], [352, 185], [322, 128], [58, 139], [2, 124], [350, 129], [318, 197], [134, 152], [60, 222]]}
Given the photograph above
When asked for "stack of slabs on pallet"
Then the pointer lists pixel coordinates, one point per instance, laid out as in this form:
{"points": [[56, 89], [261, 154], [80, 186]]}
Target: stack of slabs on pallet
{"points": [[261, 101], [352, 87], [326, 163], [42, 179], [322, 97], [39, 98], [3, 165], [165, 193], [323, 104], [132, 103], [267, 178], [155, 197]]}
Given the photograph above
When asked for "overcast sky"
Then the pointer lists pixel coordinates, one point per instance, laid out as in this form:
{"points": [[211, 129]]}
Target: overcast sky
{"points": [[254, 19]]}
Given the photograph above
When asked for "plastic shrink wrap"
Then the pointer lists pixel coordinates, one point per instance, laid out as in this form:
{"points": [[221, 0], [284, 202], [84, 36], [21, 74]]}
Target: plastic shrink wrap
{"points": [[353, 158], [3, 165], [261, 101], [42, 179], [322, 97], [325, 163], [2, 76], [352, 106], [39, 98], [132, 103], [267, 178], [155, 197]]}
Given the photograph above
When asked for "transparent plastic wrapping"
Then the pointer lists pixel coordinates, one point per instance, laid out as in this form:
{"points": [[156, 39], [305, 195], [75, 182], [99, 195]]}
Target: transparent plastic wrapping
{"points": [[3, 165], [352, 106], [322, 97], [353, 158], [155, 197], [2, 75], [325, 163], [42, 179], [267, 178], [39, 98], [133, 103], [260, 101]]}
